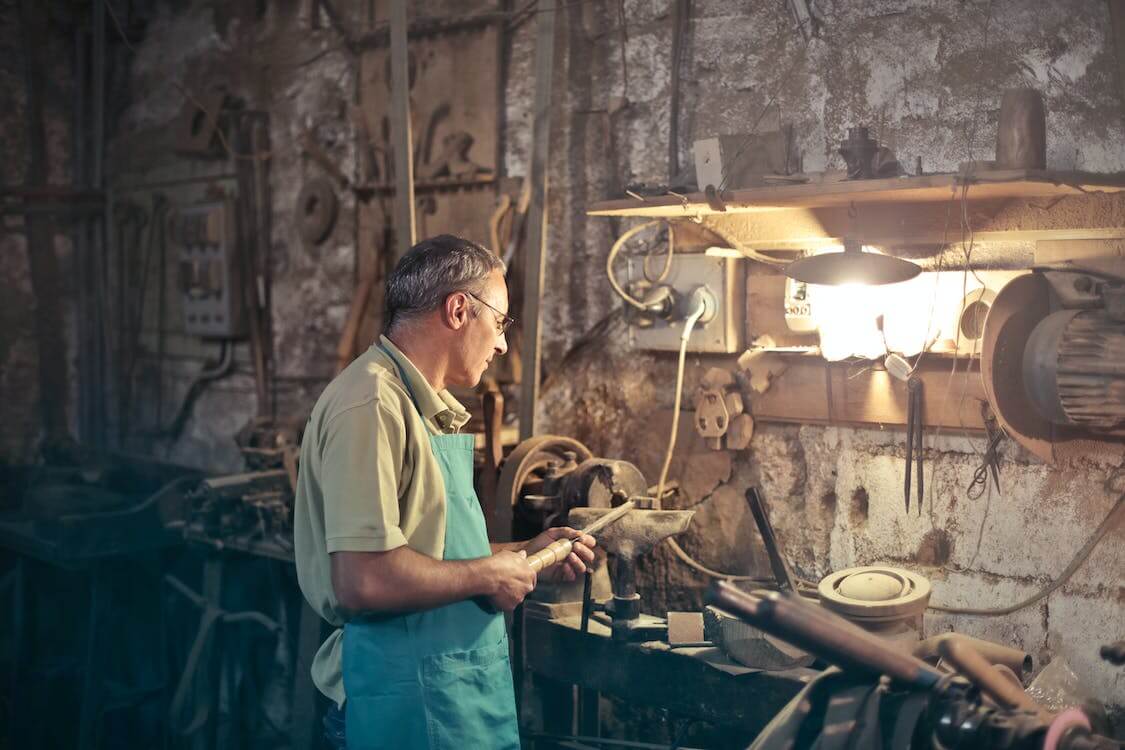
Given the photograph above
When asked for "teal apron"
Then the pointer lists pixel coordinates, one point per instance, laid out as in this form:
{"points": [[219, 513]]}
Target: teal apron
{"points": [[438, 679]]}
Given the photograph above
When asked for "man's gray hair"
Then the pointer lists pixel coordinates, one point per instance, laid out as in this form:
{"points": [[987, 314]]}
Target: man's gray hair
{"points": [[431, 271]]}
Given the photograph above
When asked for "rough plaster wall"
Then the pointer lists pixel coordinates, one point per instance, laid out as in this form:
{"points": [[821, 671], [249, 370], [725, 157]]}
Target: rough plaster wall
{"points": [[304, 78], [927, 76]]}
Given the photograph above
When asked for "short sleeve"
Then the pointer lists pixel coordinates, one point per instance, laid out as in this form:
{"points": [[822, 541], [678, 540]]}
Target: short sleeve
{"points": [[362, 463]]}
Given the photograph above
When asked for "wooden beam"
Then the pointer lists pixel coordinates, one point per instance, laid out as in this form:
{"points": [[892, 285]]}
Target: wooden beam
{"points": [[400, 131], [537, 214]]}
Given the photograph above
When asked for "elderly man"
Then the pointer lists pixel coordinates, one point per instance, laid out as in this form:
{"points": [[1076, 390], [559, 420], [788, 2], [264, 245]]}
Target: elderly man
{"points": [[390, 537]]}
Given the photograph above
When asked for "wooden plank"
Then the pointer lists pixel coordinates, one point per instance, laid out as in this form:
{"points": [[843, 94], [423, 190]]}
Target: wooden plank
{"points": [[999, 184], [874, 397], [537, 215], [800, 394], [853, 393], [401, 131], [1055, 251], [765, 309], [446, 98]]}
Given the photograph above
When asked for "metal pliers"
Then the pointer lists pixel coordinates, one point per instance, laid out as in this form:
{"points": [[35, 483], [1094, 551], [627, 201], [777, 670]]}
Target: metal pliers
{"points": [[914, 439]]}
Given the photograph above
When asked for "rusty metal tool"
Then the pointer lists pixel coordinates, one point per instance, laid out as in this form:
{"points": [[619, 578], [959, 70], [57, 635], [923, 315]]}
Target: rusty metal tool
{"points": [[765, 528], [628, 539], [913, 439], [556, 552]]}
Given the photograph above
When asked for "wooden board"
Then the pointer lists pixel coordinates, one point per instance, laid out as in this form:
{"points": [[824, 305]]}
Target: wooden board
{"points": [[814, 391], [446, 97], [765, 309], [999, 184]]}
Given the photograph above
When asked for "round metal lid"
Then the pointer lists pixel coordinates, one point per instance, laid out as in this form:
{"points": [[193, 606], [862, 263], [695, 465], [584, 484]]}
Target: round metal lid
{"points": [[874, 592], [851, 267]]}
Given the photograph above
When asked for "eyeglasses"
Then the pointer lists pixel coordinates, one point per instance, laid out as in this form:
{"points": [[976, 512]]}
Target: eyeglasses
{"points": [[503, 322]]}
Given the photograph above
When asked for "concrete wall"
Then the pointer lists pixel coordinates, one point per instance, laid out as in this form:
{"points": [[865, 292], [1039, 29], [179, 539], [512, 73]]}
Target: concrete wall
{"points": [[925, 74]]}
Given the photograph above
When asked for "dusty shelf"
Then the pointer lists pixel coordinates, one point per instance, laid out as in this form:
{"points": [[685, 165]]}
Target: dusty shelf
{"points": [[991, 185]]}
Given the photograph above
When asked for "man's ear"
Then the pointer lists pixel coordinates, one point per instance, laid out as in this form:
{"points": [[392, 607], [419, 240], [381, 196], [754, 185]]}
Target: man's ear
{"points": [[457, 310]]}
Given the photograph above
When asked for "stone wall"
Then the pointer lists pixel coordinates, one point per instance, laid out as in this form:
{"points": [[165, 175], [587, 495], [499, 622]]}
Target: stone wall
{"points": [[927, 77]]}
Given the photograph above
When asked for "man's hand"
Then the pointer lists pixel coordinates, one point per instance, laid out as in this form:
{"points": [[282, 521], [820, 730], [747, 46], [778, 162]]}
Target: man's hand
{"points": [[509, 579], [575, 563]]}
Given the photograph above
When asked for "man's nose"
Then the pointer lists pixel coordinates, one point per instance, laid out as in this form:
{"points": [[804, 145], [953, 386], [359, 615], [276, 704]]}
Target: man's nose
{"points": [[502, 344]]}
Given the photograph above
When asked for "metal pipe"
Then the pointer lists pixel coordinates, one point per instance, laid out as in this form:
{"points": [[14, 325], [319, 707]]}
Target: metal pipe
{"points": [[820, 632], [1020, 662], [961, 654]]}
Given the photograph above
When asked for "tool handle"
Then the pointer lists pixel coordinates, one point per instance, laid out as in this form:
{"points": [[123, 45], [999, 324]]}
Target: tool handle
{"points": [[553, 553]]}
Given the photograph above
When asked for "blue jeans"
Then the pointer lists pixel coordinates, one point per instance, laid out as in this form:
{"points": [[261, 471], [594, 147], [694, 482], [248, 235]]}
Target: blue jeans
{"points": [[334, 733]]}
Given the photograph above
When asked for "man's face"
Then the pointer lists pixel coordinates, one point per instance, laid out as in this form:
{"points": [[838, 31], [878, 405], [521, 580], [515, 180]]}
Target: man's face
{"points": [[482, 337]]}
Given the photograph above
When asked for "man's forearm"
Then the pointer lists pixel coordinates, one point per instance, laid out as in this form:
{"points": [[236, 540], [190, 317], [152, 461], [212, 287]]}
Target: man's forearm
{"points": [[403, 580]]}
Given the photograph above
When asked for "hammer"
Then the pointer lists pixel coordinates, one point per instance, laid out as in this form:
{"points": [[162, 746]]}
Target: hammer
{"points": [[557, 551]]}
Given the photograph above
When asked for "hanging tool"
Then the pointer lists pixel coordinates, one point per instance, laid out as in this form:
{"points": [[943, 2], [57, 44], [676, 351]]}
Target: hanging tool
{"points": [[769, 539], [914, 439], [557, 551]]}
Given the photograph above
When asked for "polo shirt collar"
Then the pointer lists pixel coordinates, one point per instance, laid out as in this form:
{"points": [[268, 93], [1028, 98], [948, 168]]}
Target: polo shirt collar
{"points": [[438, 407]]}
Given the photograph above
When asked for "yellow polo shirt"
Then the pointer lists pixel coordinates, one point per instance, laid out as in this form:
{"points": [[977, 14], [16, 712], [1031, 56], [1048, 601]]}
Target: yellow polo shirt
{"points": [[368, 481]]}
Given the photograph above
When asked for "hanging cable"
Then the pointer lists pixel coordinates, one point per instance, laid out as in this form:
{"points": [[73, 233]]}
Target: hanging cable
{"points": [[689, 325], [616, 248], [667, 260]]}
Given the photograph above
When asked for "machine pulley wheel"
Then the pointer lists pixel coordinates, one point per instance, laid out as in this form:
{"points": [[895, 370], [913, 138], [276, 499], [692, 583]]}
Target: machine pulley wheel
{"points": [[530, 458]]}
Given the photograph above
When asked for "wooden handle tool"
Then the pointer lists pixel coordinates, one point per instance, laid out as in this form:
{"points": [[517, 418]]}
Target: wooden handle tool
{"points": [[556, 552]]}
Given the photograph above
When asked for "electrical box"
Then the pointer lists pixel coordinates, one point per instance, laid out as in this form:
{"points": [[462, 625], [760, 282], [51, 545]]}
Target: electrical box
{"points": [[723, 333], [209, 279]]}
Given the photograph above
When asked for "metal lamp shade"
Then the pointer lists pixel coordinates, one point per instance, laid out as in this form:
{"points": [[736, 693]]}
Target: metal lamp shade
{"points": [[852, 266]]}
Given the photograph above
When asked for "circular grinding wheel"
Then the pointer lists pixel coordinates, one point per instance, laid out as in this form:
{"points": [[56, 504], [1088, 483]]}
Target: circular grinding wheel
{"points": [[1018, 308], [316, 210]]}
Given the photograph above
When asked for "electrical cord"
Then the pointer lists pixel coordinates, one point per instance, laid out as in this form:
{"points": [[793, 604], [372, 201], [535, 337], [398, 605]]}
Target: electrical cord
{"points": [[749, 252], [689, 324], [1111, 520], [616, 248], [667, 260], [684, 557]]}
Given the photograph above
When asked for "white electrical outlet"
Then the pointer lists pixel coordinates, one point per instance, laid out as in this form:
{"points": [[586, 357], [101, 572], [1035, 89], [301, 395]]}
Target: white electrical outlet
{"points": [[723, 333]]}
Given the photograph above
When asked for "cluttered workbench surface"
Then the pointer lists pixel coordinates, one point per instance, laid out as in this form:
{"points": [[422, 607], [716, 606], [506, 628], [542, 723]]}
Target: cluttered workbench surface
{"points": [[696, 681]]}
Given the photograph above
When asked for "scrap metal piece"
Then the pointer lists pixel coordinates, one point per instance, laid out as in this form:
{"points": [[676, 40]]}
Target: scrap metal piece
{"points": [[750, 646]]}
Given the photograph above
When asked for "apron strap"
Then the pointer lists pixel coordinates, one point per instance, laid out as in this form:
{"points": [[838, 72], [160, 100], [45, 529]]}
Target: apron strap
{"points": [[404, 379]]}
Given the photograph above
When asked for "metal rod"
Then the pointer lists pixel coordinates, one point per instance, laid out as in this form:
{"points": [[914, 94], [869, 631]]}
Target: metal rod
{"points": [[830, 637], [969, 662], [537, 215], [765, 528], [400, 132]]}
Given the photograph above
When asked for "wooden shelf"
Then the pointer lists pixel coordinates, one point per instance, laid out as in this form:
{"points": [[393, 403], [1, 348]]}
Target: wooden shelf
{"points": [[994, 185]]}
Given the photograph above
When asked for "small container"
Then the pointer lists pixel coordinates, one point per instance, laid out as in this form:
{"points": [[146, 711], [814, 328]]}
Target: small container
{"points": [[1021, 138]]}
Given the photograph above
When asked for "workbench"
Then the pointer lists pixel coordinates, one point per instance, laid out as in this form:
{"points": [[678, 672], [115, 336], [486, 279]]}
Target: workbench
{"points": [[695, 681]]}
